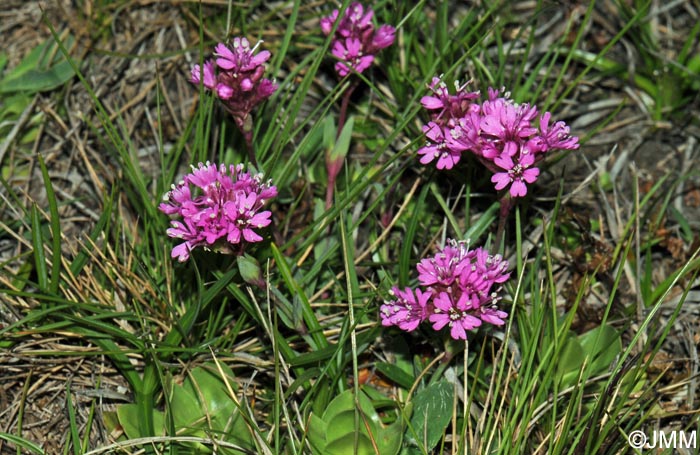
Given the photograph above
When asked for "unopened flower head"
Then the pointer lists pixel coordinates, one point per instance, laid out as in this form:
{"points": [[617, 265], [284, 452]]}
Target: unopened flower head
{"points": [[355, 41], [235, 75], [459, 289], [219, 208], [507, 137]]}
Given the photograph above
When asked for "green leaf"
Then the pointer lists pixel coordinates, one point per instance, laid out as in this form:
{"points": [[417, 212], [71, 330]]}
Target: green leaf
{"points": [[185, 408], [601, 345], [212, 394], [317, 434], [432, 411], [36, 80], [336, 433], [570, 361], [38, 246], [128, 415], [250, 270], [396, 374], [342, 145], [21, 443]]}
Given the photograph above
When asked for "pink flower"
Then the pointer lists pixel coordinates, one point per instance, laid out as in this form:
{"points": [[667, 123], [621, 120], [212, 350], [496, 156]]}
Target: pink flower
{"points": [[558, 136], [499, 132], [438, 147], [236, 77], [350, 55], [239, 57], [384, 37], [208, 72], [445, 108], [505, 125], [220, 208], [441, 269], [516, 175], [407, 310], [355, 41], [461, 292], [492, 315], [454, 315]]}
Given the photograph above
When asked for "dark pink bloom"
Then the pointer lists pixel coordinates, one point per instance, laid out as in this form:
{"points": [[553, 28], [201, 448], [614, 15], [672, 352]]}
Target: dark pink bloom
{"points": [[453, 314], [407, 310], [505, 125], [437, 147], [220, 208], [240, 58], [383, 37], [236, 77], [356, 42], [349, 52], [556, 137], [499, 132], [461, 292], [440, 269], [492, 315], [208, 72], [445, 108], [515, 175]]}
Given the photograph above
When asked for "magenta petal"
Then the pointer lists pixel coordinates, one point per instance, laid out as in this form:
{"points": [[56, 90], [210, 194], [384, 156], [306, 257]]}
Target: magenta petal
{"points": [[251, 236], [518, 188], [510, 148], [431, 102], [527, 160], [181, 252], [457, 332], [439, 320], [225, 63], [492, 126], [530, 175], [261, 219], [224, 91], [261, 58], [470, 322], [504, 162], [364, 63], [502, 179]]}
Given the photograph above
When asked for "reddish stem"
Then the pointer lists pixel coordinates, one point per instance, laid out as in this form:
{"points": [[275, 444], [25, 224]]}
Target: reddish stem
{"points": [[245, 125], [506, 204], [333, 169]]}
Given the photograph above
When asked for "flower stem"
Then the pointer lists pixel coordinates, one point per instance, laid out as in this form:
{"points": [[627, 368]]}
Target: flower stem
{"points": [[506, 205], [334, 168], [245, 125]]}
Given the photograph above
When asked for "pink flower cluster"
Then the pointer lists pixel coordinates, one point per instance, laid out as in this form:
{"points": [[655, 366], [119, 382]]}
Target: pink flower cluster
{"points": [[508, 138], [460, 291], [236, 77], [220, 208], [355, 41]]}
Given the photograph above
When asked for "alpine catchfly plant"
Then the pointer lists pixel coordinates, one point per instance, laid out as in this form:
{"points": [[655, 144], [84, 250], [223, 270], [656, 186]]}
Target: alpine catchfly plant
{"points": [[459, 290], [235, 76], [218, 208], [507, 137], [354, 44], [356, 41]]}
